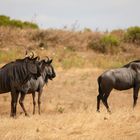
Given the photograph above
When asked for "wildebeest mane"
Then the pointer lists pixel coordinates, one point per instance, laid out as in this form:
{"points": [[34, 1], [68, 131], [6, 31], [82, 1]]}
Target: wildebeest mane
{"points": [[6, 64], [15, 72], [127, 65], [17, 60]]}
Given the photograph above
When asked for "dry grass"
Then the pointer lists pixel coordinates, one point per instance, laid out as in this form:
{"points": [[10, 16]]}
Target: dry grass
{"points": [[68, 102], [68, 48], [73, 91]]}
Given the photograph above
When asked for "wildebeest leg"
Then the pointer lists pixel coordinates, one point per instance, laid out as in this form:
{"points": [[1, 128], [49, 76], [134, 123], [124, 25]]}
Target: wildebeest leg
{"points": [[99, 97], [105, 101], [39, 100], [11, 114], [15, 104], [98, 103], [135, 95], [21, 103], [34, 102], [14, 98]]}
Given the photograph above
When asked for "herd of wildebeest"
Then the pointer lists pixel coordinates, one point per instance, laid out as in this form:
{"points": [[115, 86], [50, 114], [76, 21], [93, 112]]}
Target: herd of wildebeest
{"points": [[30, 74], [23, 76]]}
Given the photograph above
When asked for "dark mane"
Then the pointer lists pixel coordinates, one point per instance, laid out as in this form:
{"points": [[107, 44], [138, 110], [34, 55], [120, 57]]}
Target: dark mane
{"points": [[17, 60], [135, 61], [6, 64], [20, 60]]}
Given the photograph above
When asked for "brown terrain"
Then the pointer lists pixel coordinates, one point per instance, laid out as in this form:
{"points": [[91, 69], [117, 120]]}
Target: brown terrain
{"points": [[69, 112], [68, 109]]}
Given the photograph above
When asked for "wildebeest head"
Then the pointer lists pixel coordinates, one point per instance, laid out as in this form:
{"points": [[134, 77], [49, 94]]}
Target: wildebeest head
{"points": [[50, 73], [33, 67], [50, 70]]}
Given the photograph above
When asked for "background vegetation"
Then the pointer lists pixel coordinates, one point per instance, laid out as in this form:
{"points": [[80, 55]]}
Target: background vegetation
{"points": [[68, 108], [6, 21], [69, 48]]}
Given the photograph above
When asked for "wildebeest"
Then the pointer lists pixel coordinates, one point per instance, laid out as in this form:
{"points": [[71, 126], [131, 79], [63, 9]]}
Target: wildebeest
{"points": [[36, 85], [14, 74], [122, 78]]}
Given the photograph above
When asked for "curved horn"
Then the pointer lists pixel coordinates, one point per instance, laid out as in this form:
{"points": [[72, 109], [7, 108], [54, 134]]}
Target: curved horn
{"points": [[47, 59], [26, 53], [32, 55], [38, 58]]}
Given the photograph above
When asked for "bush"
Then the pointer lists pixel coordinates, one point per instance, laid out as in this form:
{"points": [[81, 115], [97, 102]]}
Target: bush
{"points": [[16, 23], [105, 44], [119, 33], [30, 25], [6, 21], [133, 35], [87, 30]]}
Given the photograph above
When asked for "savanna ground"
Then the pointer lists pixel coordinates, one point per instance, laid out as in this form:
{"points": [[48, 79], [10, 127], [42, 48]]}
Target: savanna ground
{"points": [[69, 101], [69, 112]]}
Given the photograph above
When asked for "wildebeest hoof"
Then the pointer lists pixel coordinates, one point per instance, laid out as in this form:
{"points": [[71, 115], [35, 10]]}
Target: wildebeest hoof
{"points": [[13, 116], [105, 118], [27, 115], [109, 112], [98, 111]]}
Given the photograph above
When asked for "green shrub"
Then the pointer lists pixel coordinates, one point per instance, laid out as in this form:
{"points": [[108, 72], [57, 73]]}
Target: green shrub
{"points": [[87, 30], [105, 44], [6, 21], [118, 33], [30, 25], [133, 35], [16, 23]]}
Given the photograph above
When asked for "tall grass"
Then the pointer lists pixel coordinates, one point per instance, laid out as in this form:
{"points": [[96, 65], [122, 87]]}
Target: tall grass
{"points": [[10, 55]]}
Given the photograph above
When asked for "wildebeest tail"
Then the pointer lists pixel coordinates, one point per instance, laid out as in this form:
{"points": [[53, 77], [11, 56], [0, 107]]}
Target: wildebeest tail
{"points": [[99, 85]]}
